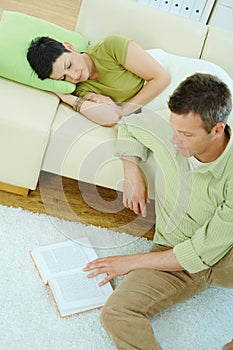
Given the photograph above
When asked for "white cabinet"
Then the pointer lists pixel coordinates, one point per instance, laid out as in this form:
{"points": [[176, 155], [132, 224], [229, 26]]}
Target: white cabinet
{"points": [[198, 10], [222, 15]]}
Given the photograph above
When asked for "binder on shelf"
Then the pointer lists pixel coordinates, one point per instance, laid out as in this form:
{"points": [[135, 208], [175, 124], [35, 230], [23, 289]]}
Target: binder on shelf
{"points": [[197, 10], [176, 6], [187, 8], [143, 2], [165, 5], [154, 3]]}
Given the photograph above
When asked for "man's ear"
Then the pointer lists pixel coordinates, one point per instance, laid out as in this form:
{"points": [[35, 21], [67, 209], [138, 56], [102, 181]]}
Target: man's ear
{"points": [[218, 129], [68, 46]]}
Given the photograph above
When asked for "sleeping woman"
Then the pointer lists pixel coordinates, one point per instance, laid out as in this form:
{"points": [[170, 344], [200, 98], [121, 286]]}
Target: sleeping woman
{"points": [[114, 77]]}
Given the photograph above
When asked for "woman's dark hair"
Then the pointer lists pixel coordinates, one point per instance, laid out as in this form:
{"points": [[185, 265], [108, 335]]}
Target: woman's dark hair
{"points": [[42, 53]]}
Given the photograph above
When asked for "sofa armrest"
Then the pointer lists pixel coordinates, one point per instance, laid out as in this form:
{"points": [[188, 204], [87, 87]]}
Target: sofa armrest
{"points": [[25, 120]]}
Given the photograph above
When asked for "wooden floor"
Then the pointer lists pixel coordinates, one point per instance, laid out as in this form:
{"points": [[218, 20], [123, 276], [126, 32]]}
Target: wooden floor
{"points": [[78, 201], [62, 197], [61, 12]]}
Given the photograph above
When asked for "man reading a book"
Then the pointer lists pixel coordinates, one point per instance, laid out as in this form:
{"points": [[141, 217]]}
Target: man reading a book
{"points": [[193, 152]]}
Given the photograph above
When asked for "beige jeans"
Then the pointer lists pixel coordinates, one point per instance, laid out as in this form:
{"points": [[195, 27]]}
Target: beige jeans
{"points": [[143, 293]]}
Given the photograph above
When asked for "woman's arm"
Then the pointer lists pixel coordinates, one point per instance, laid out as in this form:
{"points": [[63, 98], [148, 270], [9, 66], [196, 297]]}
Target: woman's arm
{"points": [[99, 109], [141, 63]]}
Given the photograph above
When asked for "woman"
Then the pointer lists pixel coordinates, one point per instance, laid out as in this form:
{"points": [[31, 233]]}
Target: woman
{"points": [[114, 77]]}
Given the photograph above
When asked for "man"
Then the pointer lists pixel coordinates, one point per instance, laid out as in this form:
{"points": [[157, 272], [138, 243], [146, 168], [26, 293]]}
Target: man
{"points": [[194, 210], [228, 346]]}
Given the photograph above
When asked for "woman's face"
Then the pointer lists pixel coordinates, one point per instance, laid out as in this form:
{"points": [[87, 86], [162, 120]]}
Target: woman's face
{"points": [[70, 66]]}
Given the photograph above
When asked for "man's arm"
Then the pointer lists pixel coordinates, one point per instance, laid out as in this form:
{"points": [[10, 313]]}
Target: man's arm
{"points": [[135, 195], [120, 265], [131, 150]]}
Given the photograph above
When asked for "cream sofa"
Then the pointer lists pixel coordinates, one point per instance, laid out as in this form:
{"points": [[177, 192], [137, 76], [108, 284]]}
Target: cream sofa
{"points": [[38, 133]]}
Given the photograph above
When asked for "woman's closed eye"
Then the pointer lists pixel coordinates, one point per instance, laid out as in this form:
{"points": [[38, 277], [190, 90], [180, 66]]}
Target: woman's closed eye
{"points": [[67, 66]]}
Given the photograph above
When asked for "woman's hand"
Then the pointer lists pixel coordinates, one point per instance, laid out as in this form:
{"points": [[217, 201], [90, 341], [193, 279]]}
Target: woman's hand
{"points": [[113, 266], [97, 98], [100, 109]]}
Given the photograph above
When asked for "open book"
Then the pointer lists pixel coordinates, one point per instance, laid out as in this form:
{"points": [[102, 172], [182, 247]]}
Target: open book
{"points": [[60, 267]]}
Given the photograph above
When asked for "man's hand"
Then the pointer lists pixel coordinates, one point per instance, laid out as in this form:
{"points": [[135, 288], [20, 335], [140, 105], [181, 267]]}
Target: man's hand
{"points": [[135, 196], [120, 265], [113, 266]]}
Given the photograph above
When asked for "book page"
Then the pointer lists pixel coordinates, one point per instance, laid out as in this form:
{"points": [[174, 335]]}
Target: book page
{"points": [[57, 258], [74, 292]]}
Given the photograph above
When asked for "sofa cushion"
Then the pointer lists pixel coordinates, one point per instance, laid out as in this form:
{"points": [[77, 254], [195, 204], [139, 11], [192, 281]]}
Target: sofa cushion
{"points": [[16, 32], [181, 67], [219, 48], [82, 150]]}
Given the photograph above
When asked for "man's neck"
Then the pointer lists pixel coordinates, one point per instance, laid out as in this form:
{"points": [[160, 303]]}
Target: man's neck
{"points": [[217, 149]]}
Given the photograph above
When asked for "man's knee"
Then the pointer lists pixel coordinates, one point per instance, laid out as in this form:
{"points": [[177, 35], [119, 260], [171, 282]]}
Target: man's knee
{"points": [[111, 317], [127, 328], [221, 274], [106, 316]]}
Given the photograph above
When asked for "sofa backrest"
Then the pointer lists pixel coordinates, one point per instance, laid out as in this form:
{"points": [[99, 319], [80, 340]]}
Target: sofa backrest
{"points": [[149, 27], [218, 48]]}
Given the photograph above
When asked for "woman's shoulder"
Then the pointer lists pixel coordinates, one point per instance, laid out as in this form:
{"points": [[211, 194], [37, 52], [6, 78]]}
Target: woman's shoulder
{"points": [[111, 41], [115, 37], [115, 43]]}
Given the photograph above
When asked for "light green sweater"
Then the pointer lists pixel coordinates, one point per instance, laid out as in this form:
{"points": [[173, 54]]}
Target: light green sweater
{"points": [[194, 208]]}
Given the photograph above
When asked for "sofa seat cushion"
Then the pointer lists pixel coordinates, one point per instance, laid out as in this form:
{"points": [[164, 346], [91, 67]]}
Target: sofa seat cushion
{"points": [[82, 150], [25, 122]]}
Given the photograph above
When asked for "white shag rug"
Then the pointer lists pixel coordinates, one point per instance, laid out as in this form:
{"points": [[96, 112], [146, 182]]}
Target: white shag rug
{"points": [[28, 317]]}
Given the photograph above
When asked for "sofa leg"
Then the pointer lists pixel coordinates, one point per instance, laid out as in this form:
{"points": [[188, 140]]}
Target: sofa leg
{"points": [[14, 189]]}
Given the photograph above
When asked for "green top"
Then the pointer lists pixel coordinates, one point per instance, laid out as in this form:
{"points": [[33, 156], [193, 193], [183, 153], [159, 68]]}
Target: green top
{"points": [[194, 208], [109, 56]]}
